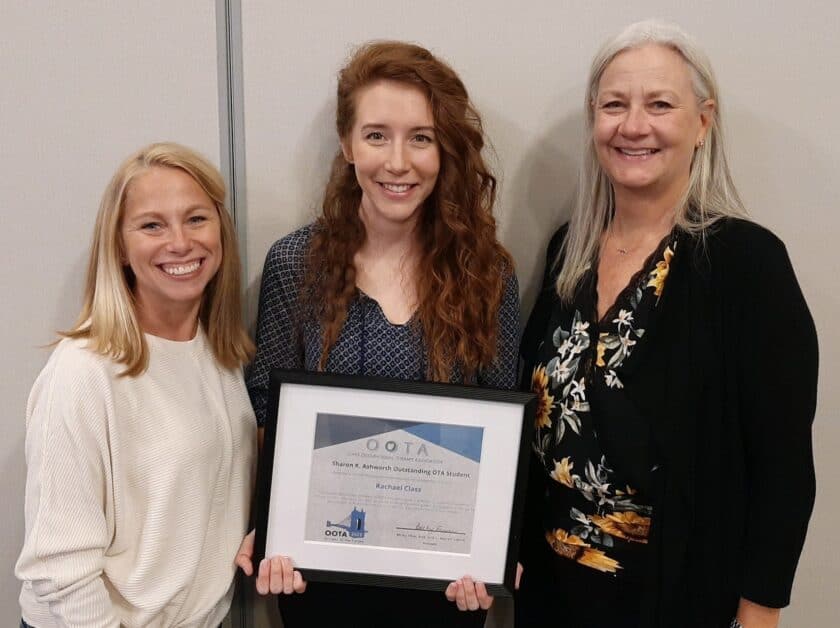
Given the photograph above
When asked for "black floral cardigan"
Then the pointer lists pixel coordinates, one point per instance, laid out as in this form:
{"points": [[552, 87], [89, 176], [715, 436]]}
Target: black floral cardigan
{"points": [[728, 378]]}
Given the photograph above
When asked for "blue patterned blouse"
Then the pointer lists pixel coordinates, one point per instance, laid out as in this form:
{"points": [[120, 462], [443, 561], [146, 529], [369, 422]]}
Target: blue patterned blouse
{"points": [[369, 344]]}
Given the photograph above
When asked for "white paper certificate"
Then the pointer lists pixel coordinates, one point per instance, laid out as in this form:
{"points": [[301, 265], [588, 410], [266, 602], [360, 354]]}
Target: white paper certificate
{"points": [[393, 484]]}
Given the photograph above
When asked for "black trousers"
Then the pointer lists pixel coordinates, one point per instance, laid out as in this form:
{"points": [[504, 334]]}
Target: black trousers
{"points": [[567, 595], [350, 606]]}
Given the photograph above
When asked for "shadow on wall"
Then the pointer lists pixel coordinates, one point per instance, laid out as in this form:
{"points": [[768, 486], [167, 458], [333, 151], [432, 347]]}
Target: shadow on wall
{"points": [[10, 467], [536, 199], [315, 154], [310, 169], [72, 291]]}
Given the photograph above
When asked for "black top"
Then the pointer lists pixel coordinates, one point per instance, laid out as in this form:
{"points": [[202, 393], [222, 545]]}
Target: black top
{"points": [[726, 381], [592, 441]]}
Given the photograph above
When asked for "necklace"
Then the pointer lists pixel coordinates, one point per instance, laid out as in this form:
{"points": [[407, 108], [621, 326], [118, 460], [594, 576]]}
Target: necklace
{"points": [[620, 249], [627, 250]]}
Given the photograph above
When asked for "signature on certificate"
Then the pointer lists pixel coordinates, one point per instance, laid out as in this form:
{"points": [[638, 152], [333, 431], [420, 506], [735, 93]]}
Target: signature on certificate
{"points": [[425, 527]]}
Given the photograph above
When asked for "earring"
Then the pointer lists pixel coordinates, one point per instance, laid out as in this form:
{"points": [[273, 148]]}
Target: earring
{"points": [[701, 143]]}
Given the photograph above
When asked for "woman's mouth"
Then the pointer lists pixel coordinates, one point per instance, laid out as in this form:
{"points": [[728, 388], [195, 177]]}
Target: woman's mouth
{"points": [[397, 188], [637, 152], [179, 270]]}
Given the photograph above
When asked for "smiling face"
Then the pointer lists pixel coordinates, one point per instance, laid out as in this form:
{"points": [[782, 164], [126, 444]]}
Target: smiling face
{"points": [[171, 240], [648, 122], [393, 148]]}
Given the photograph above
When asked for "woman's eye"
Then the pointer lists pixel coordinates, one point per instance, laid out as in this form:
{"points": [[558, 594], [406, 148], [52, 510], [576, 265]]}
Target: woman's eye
{"points": [[612, 104], [150, 226], [421, 138], [374, 136], [196, 220], [661, 104]]}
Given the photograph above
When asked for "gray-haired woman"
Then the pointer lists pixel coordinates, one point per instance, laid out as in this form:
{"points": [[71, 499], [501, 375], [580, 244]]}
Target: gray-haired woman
{"points": [[676, 363]]}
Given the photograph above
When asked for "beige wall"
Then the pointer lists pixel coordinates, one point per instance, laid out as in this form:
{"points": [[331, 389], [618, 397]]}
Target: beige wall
{"points": [[525, 64], [82, 84]]}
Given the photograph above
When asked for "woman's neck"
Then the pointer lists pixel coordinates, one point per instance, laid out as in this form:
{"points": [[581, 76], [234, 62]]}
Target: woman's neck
{"points": [[179, 324], [386, 241], [636, 215], [386, 267]]}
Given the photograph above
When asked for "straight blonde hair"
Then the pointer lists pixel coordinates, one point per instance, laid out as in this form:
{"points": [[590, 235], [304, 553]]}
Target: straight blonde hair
{"points": [[711, 193], [108, 319]]}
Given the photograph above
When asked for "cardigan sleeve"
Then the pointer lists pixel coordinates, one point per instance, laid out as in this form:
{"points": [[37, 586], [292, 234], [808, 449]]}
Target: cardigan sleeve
{"points": [[777, 383], [279, 343], [535, 331], [502, 373], [68, 485]]}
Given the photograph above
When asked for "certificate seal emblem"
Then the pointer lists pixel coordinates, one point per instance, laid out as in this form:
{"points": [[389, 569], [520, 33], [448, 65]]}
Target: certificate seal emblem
{"points": [[352, 526]]}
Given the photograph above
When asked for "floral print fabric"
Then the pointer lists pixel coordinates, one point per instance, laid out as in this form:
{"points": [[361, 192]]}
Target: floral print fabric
{"points": [[597, 516]]}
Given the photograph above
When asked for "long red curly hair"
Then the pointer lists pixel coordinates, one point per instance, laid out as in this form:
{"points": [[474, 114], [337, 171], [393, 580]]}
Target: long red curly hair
{"points": [[465, 267]]}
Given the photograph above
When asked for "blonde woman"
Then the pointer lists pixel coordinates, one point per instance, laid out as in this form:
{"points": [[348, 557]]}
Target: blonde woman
{"points": [[140, 437]]}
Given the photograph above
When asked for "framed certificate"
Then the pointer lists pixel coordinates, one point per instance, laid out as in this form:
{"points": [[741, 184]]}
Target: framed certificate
{"points": [[393, 483]]}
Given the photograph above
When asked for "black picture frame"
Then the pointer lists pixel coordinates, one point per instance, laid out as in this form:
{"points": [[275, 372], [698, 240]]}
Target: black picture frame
{"points": [[520, 407]]}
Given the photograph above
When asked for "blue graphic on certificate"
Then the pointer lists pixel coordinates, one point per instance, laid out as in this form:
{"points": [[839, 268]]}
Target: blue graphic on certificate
{"points": [[392, 483]]}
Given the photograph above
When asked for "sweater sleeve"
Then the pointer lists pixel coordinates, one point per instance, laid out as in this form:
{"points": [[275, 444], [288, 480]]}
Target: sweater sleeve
{"points": [[777, 380], [279, 343], [67, 491], [502, 374]]}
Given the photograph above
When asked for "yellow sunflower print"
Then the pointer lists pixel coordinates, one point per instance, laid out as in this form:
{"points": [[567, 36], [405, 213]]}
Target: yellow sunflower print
{"points": [[601, 349], [575, 548], [659, 274], [629, 526], [545, 401], [563, 472]]}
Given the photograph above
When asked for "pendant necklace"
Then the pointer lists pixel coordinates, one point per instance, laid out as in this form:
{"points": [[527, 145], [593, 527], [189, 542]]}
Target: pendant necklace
{"points": [[620, 249]]}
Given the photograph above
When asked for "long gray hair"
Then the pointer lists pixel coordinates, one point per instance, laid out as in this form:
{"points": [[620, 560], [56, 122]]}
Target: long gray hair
{"points": [[710, 195]]}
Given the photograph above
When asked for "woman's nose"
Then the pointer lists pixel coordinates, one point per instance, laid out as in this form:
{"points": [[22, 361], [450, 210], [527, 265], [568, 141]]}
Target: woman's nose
{"points": [[636, 122], [178, 239], [398, 160]]}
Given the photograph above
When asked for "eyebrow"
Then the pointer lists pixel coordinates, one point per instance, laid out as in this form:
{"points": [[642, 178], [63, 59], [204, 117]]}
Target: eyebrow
{"points": [[151, 213], [611, 93], [382, 127]]}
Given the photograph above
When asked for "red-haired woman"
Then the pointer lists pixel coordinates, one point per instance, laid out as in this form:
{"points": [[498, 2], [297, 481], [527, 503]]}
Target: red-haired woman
{"points": [[401, 276]]}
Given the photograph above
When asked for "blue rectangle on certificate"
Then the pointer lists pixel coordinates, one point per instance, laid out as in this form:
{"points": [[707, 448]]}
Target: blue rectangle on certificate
{"points": [[332, 429]]}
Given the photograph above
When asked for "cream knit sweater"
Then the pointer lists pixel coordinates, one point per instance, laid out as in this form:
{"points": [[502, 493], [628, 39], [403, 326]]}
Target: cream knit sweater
{"points": [[137, 488]]}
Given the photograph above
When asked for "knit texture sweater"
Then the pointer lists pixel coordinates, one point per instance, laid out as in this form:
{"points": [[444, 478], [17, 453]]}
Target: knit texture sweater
{"points": [[138, 488]]}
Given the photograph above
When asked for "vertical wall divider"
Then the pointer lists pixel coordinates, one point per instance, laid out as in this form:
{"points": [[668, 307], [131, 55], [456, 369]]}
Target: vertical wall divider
{"points": [[232, 158], [232, 116]]}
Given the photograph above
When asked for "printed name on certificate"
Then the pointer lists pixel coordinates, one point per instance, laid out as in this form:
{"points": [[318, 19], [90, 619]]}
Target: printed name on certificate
{"points": [[393, 483]]}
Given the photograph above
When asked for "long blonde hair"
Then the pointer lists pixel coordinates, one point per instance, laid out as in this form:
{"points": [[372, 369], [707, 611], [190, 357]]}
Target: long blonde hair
{"points": [[108, 319], [711, 193]]}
